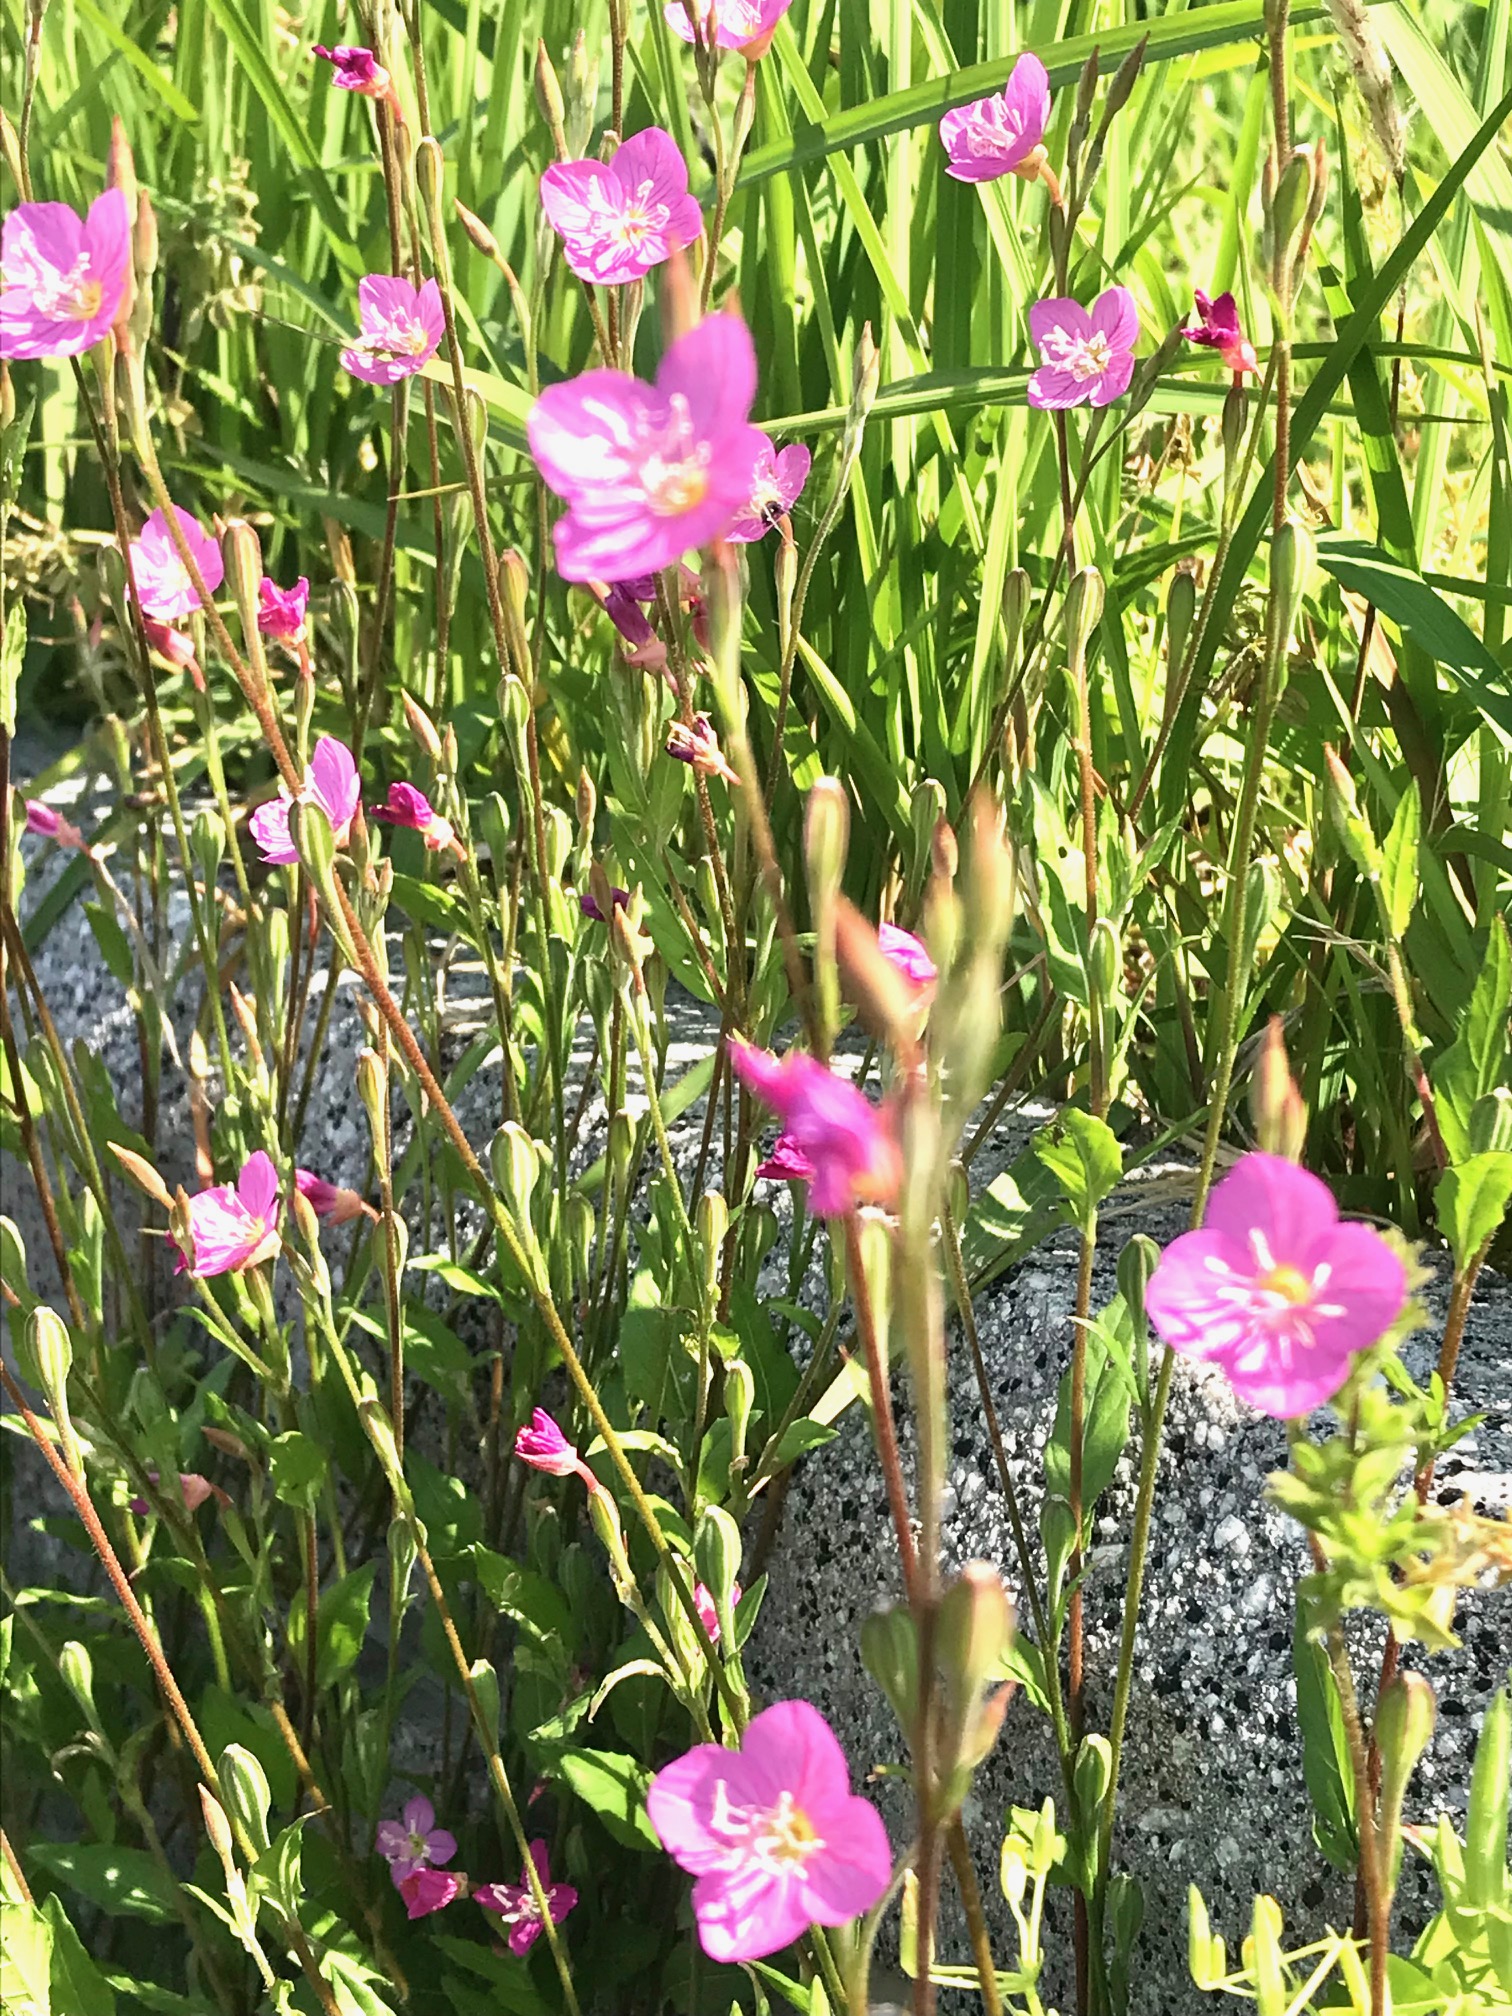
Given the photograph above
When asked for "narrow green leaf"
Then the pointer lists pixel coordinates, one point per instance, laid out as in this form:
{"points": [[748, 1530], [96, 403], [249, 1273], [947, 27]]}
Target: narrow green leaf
{"points": [[1399, 861], [1472, 1199]]}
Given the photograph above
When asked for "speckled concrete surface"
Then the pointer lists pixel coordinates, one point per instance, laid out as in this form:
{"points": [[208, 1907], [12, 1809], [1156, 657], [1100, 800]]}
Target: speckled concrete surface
{"points": [[1213, 1788]]}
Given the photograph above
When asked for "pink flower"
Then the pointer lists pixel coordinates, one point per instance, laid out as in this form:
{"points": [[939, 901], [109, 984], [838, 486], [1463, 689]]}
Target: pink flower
{"points": [[428, 1890], [196, 1490], [414, 1842], [775, 488], [1274, 1289], [699, 745], [1088, 353], [233, 1229], [331, 1201], [544, 1447], [787, 1162], [281, 611], [772, 1832], [847, 1141], [176, 646], [1217, 328], [649, 472], [47, 824], [407, 805], [618, 219], [708, 1610], [61, 279], [402, 327], [748, 25], [162, 580], [515, 1902], [357, 70], [588, 903], [331, 782], [906, 952], [1001, 135]]}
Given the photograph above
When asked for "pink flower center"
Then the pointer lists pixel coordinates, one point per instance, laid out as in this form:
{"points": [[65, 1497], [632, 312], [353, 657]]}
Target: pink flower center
{"points": [[393, 338], [779, 1839], [1290, 1283], [417, 1848], [675, 472], [69, 296], [641, 218], [1084, 356]]}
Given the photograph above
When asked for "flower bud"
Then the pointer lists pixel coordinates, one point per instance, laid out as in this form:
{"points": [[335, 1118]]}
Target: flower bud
{"points": [[1018, 592], [713, 1223], [430, 172], [1403, 1731], [218, 1828], [372, 1090], [1136, 1263], [50, 1350], [1291, 568], [244, 1785], [1344, 811], [1092, 1776], [1105, 960], [1288, 207], [890, 1653], [485, 1688], [422, 727], [478, 232], [621, 1147], [581, 97], [1235, 406], [1275, 1103], [380, 1432], [974, 1630], [549, 99], [1181, 606], [241, 551], [142, 1174], [207, 843], [874, 1243], [586, 807], [739, 1400], [716, 1554], [1263, 1952], [1013, 1872], [926, 809], [558, 829], [76, 1671], [1206, 1960], [1084, 607], [516, 1168], [402, 1554]]}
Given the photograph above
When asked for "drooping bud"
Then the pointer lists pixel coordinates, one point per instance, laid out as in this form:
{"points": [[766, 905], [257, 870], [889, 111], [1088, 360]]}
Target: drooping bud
{"points": [[482, 238], [1275, 1103], [422, 728], [142, 1174]]}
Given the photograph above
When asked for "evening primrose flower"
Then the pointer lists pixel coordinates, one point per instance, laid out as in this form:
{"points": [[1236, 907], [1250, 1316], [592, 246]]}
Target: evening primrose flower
{"points": [[776, 486], [707, 1608], [197, 1491], [908, 954], [1274, 1289], [331, 1201], [772, 1832], [357, 69], [1088, 352], [1002, 134], [617, 219], [62, 277], [699, 745], [542, 1445], [515, 1903], [588, 903], [281, 611], [747, 25], [46, 824], [787, 1162], [331, 782], [407, 805], [848, 1143], [1217, 328], [414, 1842], [402, 327], [429, 1890], [235, 1227], [163, 586], [649, 471]]}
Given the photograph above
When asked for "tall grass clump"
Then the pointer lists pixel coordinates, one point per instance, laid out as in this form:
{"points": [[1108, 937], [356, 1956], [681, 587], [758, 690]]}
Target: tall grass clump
{"points": [[741, 589]]}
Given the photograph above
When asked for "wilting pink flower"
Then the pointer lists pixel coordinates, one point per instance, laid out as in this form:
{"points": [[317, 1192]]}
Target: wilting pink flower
{"points": [[331, 782], [787, 1162], [588, 903], [47, 824], [428, 1890], [357, 70], [748, 25], [331, 1201], [845, 1138], [232, 1229], [1088, 353], [708, 1609], [775, 488], [772, 1832], [619, 218], [904, 951], [1274, 1289], [61, 278], [281, 611], [414, 1841], [196, 1490], [515, 1903], [176, 646], [407, 805], [699, 745], [622, 602], [1217, 328], [648, 472], [1001, 135], [163, 586], [544, 1447], [402, 327]]}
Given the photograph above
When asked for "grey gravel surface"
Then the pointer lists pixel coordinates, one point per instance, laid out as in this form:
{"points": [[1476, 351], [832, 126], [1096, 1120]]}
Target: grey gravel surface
{"points": [[1212, 1789]]}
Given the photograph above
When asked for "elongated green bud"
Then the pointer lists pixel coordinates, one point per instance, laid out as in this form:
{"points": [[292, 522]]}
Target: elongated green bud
{"points": [[76, 1670], [1084, 607], [1292, 557], [1181, 607], [713, 1223], [716, 1554], [739, 1400], [485, 1687], [549, 98], [244, 1785]]}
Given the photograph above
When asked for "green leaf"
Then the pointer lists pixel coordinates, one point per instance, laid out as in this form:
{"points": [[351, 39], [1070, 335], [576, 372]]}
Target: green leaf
{"points": [[615, 1787], [340, 1627], [78, 1986], [123, 1882], [1472, 1199], [299, 1468], [154, 74], [529, 1598], [425, 903], [1399, 861], [1474, 1063], [12, 653], [798, 1438], [1325, 1750], [25, 1959], [1084, 1156], [1402, 594]]}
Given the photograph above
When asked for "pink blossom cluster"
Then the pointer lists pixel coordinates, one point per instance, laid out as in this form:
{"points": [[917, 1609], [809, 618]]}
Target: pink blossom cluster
{"points": [[417, 1851], [235, 1226]]}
